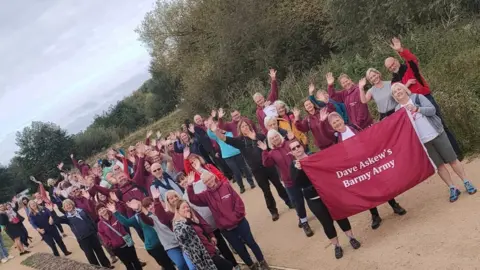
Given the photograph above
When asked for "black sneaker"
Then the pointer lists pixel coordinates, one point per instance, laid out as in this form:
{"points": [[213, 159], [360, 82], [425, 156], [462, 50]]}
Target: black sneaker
{"points": [[143, 264], [252, 186], [68, 253], [299, 224], [275, 216], [376, 221], [338, 252], [290, 206], [397, 209], [355, 244], [242, 190], [307, 230]]}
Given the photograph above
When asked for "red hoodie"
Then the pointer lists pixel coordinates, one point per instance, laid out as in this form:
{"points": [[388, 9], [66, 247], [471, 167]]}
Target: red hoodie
{"points": [[232, 126], [357, 111], [281, 158], [226, 205], [272, 97], [110, 238], [209, 167], [416, 88], [322, 132]]}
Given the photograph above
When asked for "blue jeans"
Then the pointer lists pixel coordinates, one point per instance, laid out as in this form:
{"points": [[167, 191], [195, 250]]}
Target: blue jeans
{"points": [[238, 165], [180, 259], [237, 236], [296, 196], [3, 250]]}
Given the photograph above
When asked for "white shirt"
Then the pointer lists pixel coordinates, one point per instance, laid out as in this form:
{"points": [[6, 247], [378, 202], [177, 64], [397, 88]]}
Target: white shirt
{"points": [[425, 130], [270, 110], [347, 134]]}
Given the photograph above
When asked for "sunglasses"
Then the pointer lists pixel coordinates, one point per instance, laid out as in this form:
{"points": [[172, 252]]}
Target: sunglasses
{"points": [[157, 170], [296, 147]]}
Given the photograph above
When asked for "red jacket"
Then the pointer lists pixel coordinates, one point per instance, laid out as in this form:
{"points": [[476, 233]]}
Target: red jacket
{"points": [[281, 158], [322, 132], [110, 238], [232, 126], [272, 97], [226, 205], [410, 60], [209, 167], [84, 168], [357, 111]]}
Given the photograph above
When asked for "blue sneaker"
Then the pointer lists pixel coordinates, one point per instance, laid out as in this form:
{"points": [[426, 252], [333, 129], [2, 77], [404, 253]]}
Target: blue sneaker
{"points": [[469, 187], [454, 193]]}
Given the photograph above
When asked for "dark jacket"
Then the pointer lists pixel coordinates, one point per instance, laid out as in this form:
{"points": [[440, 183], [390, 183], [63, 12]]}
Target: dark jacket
{"points": [[82, 227], [40, 220], [249, 149]]}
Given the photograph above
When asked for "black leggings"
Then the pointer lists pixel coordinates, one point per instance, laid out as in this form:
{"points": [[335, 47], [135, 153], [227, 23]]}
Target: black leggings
{"points": [[319, 209], [224, 249], [128, 256], [263, 176], [161, 257], [374, 211], [52, 238], [221, 263]]}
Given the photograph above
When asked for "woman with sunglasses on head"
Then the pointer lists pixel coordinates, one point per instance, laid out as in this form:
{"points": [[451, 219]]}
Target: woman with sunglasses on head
{"points": [[344, 132], [315, 203]]}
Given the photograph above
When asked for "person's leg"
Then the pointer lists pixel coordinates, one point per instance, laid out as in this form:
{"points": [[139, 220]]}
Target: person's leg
{"points": [[85, 245], [299, 201], [97, 248], [397, 209], [274, 178], [242, 164], [18, 243], [137, 265], [376, 219], [245, 233], [122, 255], [113, 258], [161, 257], [233, 238], [237, 174], [58, 239], [189, 262], [223, 248], [318, 209], [3, 249], [264, 185], [176, 255], [48, 239], [221, 263]]}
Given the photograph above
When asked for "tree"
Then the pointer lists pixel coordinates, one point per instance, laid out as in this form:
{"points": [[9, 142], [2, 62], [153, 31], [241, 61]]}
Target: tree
{"points": [[6, 185], [42, 146]]}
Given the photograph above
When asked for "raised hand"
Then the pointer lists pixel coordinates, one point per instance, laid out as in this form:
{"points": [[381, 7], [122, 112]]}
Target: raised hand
{"points": [[60, 166], [290, 135], [140, 148], [273, 74], [362, 83], [86, 194], [177, 134], [159, 135], [330, 78], [113, 196], [71, 156], [111, 207], [396, 44], [262, 145], [221, 113], [213, 113], [49, 206], [155, 193], [191, 128], [298, 165], [296, 113], [267, 103], [410, 82], [186, 152], [323, 114], [149, 133], [190, 178], [311, 89]]}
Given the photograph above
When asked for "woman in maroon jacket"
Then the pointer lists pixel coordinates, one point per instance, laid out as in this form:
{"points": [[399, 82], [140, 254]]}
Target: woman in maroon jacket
{"points": [[344, 132], [315, 121], [114, 236], [228, 212], [357, 111], [279, 156]]}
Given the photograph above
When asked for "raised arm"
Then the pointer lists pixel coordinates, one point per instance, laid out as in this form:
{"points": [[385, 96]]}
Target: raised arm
{"points": [[129, 222], [75, 163], [364, 97], [273, 95], [178, 147], [162, 215], [334, 94], [199, 199], [146, 219]]}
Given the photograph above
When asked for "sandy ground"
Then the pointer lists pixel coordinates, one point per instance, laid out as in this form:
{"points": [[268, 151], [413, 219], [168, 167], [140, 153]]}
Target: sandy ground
{"points": [[434, 234]]}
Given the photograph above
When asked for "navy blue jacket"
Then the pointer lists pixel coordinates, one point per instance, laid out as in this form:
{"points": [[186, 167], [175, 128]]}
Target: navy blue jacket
{"points": [[82, 227], [40, 220]]}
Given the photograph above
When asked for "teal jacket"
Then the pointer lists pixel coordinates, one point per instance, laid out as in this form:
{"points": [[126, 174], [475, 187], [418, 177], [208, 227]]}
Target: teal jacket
{"points": [[226, 149], [150, 235], [339, 107]]}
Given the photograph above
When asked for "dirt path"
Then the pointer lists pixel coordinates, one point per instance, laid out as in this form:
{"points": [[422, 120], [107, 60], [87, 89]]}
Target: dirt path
{"points": [[434, 234]]}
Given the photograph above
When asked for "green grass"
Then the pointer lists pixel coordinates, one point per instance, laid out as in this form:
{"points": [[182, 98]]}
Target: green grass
{"points": [[6, 240]]}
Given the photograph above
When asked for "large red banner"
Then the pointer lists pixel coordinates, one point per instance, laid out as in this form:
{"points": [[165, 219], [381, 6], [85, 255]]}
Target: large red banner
{"points": [[370, 168]]}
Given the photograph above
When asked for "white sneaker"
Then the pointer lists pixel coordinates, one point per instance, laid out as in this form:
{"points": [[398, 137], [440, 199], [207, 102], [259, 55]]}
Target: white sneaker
{"points": [[11, 257], [4, 260]]}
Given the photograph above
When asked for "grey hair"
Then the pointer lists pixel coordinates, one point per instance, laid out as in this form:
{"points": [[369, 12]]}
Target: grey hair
{"points": [[401, 86], [257, 94], [270, 134], [281, 103], [267, 120]]}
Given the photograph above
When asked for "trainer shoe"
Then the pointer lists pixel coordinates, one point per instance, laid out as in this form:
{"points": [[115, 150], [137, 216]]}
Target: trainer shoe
{"points": [[242, 190], [307, 230], [4, 260], [255, 266], [263, 265], [454, 193], [275, 216], [68, 253], [397, 209], [355, 244], [338, 252], [252, 186], [376, 221], [469, 187]]}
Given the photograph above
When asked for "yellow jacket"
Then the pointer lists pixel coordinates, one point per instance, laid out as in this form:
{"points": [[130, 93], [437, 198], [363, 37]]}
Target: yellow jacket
{"points": [[289, 125]]}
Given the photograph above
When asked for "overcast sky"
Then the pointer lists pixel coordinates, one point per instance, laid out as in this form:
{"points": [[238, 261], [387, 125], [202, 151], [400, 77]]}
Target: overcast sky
{"points": [[64, 61]]}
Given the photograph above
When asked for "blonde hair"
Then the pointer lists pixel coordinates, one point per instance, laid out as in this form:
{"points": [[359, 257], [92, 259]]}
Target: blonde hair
{"points": [[270, 134], [343, 75], [400, 86], [372, 70], [68, 202], [51, 182], [170, 207], [267, 120], [283, 104], [30, 207]]}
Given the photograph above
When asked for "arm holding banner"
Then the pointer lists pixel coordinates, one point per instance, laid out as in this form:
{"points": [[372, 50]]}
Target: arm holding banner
{"points": [[426, 107]]}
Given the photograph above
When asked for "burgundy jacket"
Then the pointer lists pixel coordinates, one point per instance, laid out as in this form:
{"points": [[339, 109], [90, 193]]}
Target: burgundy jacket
{"points": [[272, 97], [232, 126], [110, 238], [322, 132], [282, 160], [358, 113]]}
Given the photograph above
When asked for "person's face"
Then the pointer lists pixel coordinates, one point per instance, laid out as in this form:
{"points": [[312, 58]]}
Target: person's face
{"points": [[97, 171], [68, 207], [172, 199], [338, 124], [157, 170], [111, 155], [24, 202], [151, 208], [183, 181], [346, 83], [198, 120], [75, 191], [195, 162], [122, 179], [2, 208], [297, 149], [281, 110], [392, 64], [276, 140], [131, 150], [33, 205], [399, 94], [322, 96], [101, 197], [374, 77], [103, 213], [185, 210], [116, 169], [38, 197], [147, 166], [272, 124], [210, 181], [89, 181], [309, 107], [184, 137], [245, 128], [236, 116], [259, 100], [111, 179], [170, 146]]}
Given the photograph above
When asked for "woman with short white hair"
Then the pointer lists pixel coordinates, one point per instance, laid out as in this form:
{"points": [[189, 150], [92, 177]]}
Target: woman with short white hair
{"points": [[380, 92], [433, 136]]}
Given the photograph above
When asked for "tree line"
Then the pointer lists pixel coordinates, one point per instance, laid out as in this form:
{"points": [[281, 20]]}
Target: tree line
{"points": [[214, 53]]}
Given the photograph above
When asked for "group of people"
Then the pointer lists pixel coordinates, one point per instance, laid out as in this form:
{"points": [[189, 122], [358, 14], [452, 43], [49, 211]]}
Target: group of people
{"points": [[176, 191]]}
